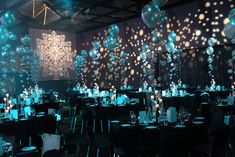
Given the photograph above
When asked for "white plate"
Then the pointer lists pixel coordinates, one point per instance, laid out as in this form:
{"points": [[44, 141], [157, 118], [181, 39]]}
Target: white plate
{"points": [[151, 127], [115, 121], [30, 148], [199, 118], [180, 126], [41, 113], [125, 125], [197, 122]]}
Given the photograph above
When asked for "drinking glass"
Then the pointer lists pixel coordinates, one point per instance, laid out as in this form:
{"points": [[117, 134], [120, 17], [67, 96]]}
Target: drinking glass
{"points": [[132, 117]]}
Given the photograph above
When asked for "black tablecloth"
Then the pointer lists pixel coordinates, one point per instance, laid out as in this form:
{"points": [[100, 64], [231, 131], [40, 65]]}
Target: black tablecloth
{"points": [[22, 129], [164, 140]]}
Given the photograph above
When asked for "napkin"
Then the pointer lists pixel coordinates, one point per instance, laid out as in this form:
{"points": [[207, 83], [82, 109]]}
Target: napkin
{"points": [[27, 111], [28, 101], [50, 141], [171, 115], [14, 113], [226, 120], [142, 115]]}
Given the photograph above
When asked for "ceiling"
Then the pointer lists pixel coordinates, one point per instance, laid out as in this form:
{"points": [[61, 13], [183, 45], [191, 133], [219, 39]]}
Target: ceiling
{"points": [[76, 15]]}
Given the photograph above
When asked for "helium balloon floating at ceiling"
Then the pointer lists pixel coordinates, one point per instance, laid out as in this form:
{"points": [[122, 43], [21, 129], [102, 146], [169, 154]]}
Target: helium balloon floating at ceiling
{"points": [[113, 30], [151, 15], [160, 3]]}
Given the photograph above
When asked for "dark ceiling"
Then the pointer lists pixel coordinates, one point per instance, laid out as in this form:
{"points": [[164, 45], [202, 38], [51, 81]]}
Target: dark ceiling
{"points": [[76, 15]]}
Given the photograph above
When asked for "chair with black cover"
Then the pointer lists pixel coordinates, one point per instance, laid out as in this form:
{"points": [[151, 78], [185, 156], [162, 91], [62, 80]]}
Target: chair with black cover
{"points": [[217, 144], [35, 153], [100, 133], [52, 153], [232, 135], [126, 143]]}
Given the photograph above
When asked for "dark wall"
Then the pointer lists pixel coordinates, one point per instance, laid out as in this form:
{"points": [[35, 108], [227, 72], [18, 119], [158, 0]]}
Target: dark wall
{"points": [[194, 23]]}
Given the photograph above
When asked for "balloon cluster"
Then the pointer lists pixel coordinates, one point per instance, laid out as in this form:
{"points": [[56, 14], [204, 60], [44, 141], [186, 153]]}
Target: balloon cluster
{"points": [[229, 31], [147, 56], [111, 42], [80, 63], [229, 28], [123, 57], [173, 55], [152, 15], [36, 67], [231, 62], [25, 40], [7, 19], [210, 53]]}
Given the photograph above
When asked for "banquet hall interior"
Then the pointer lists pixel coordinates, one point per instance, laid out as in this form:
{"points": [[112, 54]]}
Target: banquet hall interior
{"points": [[117, 78]]}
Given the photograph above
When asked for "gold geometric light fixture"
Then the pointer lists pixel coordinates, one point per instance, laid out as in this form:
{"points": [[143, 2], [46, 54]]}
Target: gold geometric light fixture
{"points": [[40, 11]]}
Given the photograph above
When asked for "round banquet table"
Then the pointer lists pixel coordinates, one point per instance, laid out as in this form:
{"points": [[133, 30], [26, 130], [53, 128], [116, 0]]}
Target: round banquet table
{"points": [[166, 141]]}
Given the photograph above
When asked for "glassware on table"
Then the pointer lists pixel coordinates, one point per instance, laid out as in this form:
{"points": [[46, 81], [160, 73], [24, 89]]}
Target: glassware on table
{"points": [[132, 117]]}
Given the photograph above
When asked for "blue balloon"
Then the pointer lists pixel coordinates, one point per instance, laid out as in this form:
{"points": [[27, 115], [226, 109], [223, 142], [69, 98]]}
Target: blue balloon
{"points": [[154, 31], [163, 20], [211, 41], [12, 36], [209, 51], [3, 35], [172, 36], [96, 44], [233, 53], [20, 50], [12, 53], [25, 40], [170, 47], [93, 53], [229, 30], [143, 56], [3, 63], [8, 19], [4, 54], [13, 61], [110, 43], [113, 30], [231, 15], [4, 49], [150, 15], [145, 48], [160, 3], [155, 39]]}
